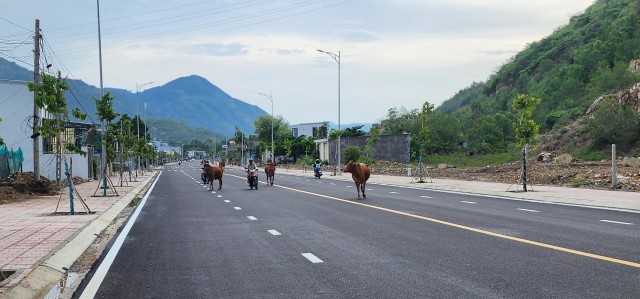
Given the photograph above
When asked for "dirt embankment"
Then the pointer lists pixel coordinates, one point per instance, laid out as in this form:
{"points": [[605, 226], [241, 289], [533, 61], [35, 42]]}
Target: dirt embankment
{"points": [[575, 174]]}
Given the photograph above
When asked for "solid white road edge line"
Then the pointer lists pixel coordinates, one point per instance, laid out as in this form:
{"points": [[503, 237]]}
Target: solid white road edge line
{"points": [[92, 287], [617, 222]]}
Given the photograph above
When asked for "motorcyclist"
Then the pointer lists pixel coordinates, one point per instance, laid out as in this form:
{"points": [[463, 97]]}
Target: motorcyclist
{"points": [[250, 167], [317, 166], [205, 164]]}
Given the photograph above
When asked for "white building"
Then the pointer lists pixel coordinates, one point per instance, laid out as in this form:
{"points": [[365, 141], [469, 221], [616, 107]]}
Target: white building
{"points": [[16, 112], [306, 129]]}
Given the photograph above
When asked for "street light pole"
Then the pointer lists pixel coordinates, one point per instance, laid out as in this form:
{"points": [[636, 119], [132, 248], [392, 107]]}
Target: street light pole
{"points": [[337, 59], [270, 97], [138, 87]]}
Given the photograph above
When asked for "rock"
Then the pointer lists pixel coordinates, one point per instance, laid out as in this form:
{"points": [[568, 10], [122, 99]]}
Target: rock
{"points": [[563, 159], [631, 162], [442, 166]]}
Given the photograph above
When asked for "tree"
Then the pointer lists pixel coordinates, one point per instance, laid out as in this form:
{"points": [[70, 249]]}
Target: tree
{"points": [[106, 113], [614, 123], [374, 134], [423, 134], [50, 98], [444, 133], [526, 128]]}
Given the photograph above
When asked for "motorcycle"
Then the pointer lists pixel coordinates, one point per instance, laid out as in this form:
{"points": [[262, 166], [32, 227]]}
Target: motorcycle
{"points": [[252, 177], [204, 178], [317, 172]]}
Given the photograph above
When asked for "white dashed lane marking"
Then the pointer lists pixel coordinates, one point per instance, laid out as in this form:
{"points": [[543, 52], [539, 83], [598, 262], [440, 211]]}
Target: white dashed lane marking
{"points": [[312, 258], [219, 195], [274, 232], [252, 218], [393, 192], [227, 201], [616, 222], [237, 208], [527, 210], [424, 196], [469, 202]]}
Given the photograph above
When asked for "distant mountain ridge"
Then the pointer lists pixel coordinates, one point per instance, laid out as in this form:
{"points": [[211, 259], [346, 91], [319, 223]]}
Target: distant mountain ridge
{"points": [[192, 100]]}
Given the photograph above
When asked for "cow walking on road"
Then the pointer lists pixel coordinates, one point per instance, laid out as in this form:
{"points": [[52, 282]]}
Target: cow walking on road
{"points": [[270, 170], [214, 173], [360, 173]]}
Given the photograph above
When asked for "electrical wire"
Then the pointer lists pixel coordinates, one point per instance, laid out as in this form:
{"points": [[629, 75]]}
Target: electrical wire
{"points": [[194, 28]]}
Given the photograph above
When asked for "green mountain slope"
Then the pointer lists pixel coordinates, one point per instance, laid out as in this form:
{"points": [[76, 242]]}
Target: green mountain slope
{"points": [[568, 70], [192, 100]]}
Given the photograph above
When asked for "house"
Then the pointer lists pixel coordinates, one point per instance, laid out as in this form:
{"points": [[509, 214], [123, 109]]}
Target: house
{"points": [[319, 129], [16, 112]]}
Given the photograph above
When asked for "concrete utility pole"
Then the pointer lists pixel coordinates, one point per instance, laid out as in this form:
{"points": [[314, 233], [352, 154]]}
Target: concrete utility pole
{"points": [[36, 114], [59, 144], [103, 159]]}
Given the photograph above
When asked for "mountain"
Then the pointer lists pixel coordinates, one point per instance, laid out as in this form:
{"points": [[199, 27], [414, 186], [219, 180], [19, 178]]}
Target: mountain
{"points": [[568, 70], [192, 100]]}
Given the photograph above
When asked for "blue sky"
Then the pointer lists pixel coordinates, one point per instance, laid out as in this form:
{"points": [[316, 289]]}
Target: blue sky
{"points": [[394, 53]]}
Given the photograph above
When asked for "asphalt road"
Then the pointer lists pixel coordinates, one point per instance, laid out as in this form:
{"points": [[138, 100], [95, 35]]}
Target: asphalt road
{"points": [[309, 238]]}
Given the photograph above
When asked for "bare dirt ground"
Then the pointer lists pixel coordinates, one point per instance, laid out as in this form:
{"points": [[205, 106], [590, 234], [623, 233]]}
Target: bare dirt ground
{"points": [[582, 174], [579, 174]]}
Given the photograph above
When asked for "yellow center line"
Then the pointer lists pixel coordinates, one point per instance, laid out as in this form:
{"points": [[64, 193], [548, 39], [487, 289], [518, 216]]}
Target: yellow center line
{"points": [[521, 240]]}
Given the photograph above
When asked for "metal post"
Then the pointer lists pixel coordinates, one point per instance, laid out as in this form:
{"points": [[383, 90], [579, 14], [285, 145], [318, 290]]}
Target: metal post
{"points": [[270, 97], [614, 170], [138, 114], [337, 59]]}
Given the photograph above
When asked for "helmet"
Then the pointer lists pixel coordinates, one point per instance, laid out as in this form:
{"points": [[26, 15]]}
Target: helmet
{"points": [[317, 160], [250, 161]]}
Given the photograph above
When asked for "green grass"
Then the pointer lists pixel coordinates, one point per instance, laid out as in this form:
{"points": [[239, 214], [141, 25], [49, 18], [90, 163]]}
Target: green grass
{"points": [[461, 160], [577, 182]]}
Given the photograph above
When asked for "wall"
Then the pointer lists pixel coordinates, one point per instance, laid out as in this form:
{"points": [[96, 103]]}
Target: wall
{"points": [[393, 148], [15, 128]]}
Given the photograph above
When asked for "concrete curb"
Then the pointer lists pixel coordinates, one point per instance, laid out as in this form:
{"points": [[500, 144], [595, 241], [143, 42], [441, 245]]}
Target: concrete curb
{"points": [[47, 279]]}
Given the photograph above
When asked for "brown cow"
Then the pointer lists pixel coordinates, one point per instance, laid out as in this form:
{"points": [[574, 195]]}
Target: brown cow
{"points": [[270, 170], [360, 173], [221, 164], [214, 173]]}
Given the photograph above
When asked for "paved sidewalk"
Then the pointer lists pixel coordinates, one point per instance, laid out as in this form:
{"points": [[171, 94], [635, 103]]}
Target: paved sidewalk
{"points": [[38, 244]]}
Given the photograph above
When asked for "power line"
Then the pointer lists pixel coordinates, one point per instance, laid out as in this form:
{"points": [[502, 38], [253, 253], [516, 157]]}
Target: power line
{"points": [[222, 22], [12, 23]]}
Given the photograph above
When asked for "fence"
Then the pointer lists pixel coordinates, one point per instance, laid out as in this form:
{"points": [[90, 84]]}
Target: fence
{"points": [[10, 161]]}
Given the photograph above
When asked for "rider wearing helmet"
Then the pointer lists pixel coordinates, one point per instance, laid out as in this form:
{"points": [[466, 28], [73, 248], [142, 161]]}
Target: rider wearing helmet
{"points": [[250, 167], [317, 166]]}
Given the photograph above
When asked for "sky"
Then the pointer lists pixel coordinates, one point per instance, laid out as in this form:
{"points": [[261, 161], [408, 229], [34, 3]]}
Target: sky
{"points": [[392, 53]]}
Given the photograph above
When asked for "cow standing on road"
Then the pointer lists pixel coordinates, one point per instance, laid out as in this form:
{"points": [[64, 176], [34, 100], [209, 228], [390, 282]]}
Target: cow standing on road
{"points": [[360, 173], [270, 170]]}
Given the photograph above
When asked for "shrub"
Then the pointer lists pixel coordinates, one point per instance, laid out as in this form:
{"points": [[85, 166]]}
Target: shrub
{"points": [[352, 153]]}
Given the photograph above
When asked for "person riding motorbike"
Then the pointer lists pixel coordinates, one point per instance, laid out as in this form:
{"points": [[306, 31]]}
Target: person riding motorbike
{"points": [[250, 167], [203, 175], [317, 167]]}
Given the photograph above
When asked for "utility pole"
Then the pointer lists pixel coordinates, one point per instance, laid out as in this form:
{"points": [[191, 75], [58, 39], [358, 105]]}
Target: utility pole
{"points": [[59, 145], [36, 115]]}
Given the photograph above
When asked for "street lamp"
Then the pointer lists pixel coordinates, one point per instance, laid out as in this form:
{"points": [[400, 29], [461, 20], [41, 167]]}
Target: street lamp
{"points": [[337, 59], [138, 87], [269, 96]]}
